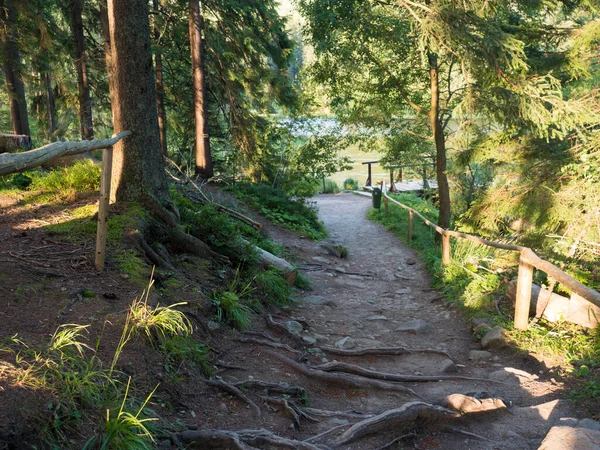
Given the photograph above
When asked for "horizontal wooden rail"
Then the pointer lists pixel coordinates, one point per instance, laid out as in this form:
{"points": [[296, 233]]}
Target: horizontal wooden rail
{"points": [[528, 260]]}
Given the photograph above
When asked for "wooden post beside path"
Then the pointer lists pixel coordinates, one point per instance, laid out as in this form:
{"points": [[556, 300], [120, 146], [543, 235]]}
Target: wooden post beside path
{"points": [[107, 156], [411, 216], [524, 281], [445, 248]]}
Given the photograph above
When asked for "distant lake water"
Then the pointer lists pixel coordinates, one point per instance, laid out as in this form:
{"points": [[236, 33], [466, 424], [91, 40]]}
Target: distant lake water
{"points": [[316, 126]]}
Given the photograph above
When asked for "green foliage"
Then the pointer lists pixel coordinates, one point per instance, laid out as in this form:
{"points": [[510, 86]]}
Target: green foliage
{"points": [[231, 309], [331, 187], [180, 349], [128, 431], [350, 184], [303, 282], [274, 204], [272, 288], [131, 264]]}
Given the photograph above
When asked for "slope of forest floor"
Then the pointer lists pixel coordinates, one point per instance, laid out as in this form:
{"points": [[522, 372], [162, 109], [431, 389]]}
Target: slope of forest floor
{"points": [[378, 295]]}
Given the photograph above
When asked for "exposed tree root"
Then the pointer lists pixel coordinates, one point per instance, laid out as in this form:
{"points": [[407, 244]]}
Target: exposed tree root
{"points": [[398, 439], [345, 414], [187, 243], [241, 440], [153, 256], [336, 366], [466, 404], [324, 433], [287, 409], [342, 379], [409, 412], [278, 388], [224, 366], [235, 391], [385, 351], [283, 329], [260, 334], [248, 340]]}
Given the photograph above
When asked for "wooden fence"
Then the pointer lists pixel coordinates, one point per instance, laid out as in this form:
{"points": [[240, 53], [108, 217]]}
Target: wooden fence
{"points": [[528, 260]]}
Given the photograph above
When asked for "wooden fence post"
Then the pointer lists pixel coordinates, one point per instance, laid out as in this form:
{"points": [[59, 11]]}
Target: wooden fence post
{"points": [[445, 248], [107, 156], [523, 299], [385, 202], [411, 216]]}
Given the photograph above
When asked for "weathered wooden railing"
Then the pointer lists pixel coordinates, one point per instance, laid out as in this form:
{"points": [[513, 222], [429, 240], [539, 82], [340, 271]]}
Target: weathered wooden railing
{"points": [[19, 162], [528, 260]]}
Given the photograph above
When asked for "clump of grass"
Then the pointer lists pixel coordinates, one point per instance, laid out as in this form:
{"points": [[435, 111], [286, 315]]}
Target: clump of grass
{"points": [[303, 282], [67, 336], [125, 430], [181, 349], [272, 287], [63, 184], [231, 309], [159, 322]]}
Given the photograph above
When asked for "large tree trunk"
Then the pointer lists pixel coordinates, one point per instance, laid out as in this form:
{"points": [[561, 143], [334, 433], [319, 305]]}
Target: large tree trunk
{"points": [[12, 68], [50, 105], [440, 143], [204, 166], [138, 172], [160, 87], [85, 101]]}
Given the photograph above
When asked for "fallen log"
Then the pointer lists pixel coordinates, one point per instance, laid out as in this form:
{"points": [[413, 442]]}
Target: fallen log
{"points": [[289, 272], [409, 412], [18, 162], [10, 143], [554, 307]]}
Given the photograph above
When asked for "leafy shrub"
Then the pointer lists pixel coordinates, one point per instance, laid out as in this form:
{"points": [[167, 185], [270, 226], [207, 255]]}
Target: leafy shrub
{"points": [[350, 184], [331, 187], [274, 204]]}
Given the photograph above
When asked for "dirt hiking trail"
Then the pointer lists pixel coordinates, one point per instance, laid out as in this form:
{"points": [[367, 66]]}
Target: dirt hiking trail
{"points": [[380, 297]]}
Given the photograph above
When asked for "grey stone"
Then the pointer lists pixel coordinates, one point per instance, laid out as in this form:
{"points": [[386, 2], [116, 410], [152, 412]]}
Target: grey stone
{"points": [[293, 326], [345, 343], [374, 318], [508, 373], [569, 438], [448, 366], [318, 300], [415, 326], [496, 337], [309, 340], [479, 355], [590, 424], [481, 321], [411, 261], [320, 338], [321, 260]]}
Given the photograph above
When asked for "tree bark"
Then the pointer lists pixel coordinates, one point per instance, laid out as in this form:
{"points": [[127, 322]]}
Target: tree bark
{"points": [[440, 143], [138, 172], [12, 69], [204, 166], [160, 86], [85, 101], [50, 106]]}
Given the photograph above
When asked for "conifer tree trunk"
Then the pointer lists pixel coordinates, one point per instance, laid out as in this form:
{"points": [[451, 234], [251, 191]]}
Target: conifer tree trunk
{"points": [[138, 172], [85, 101], [440, 143], [204, 166], [160, 88], [12, 68], [50, 105]]}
